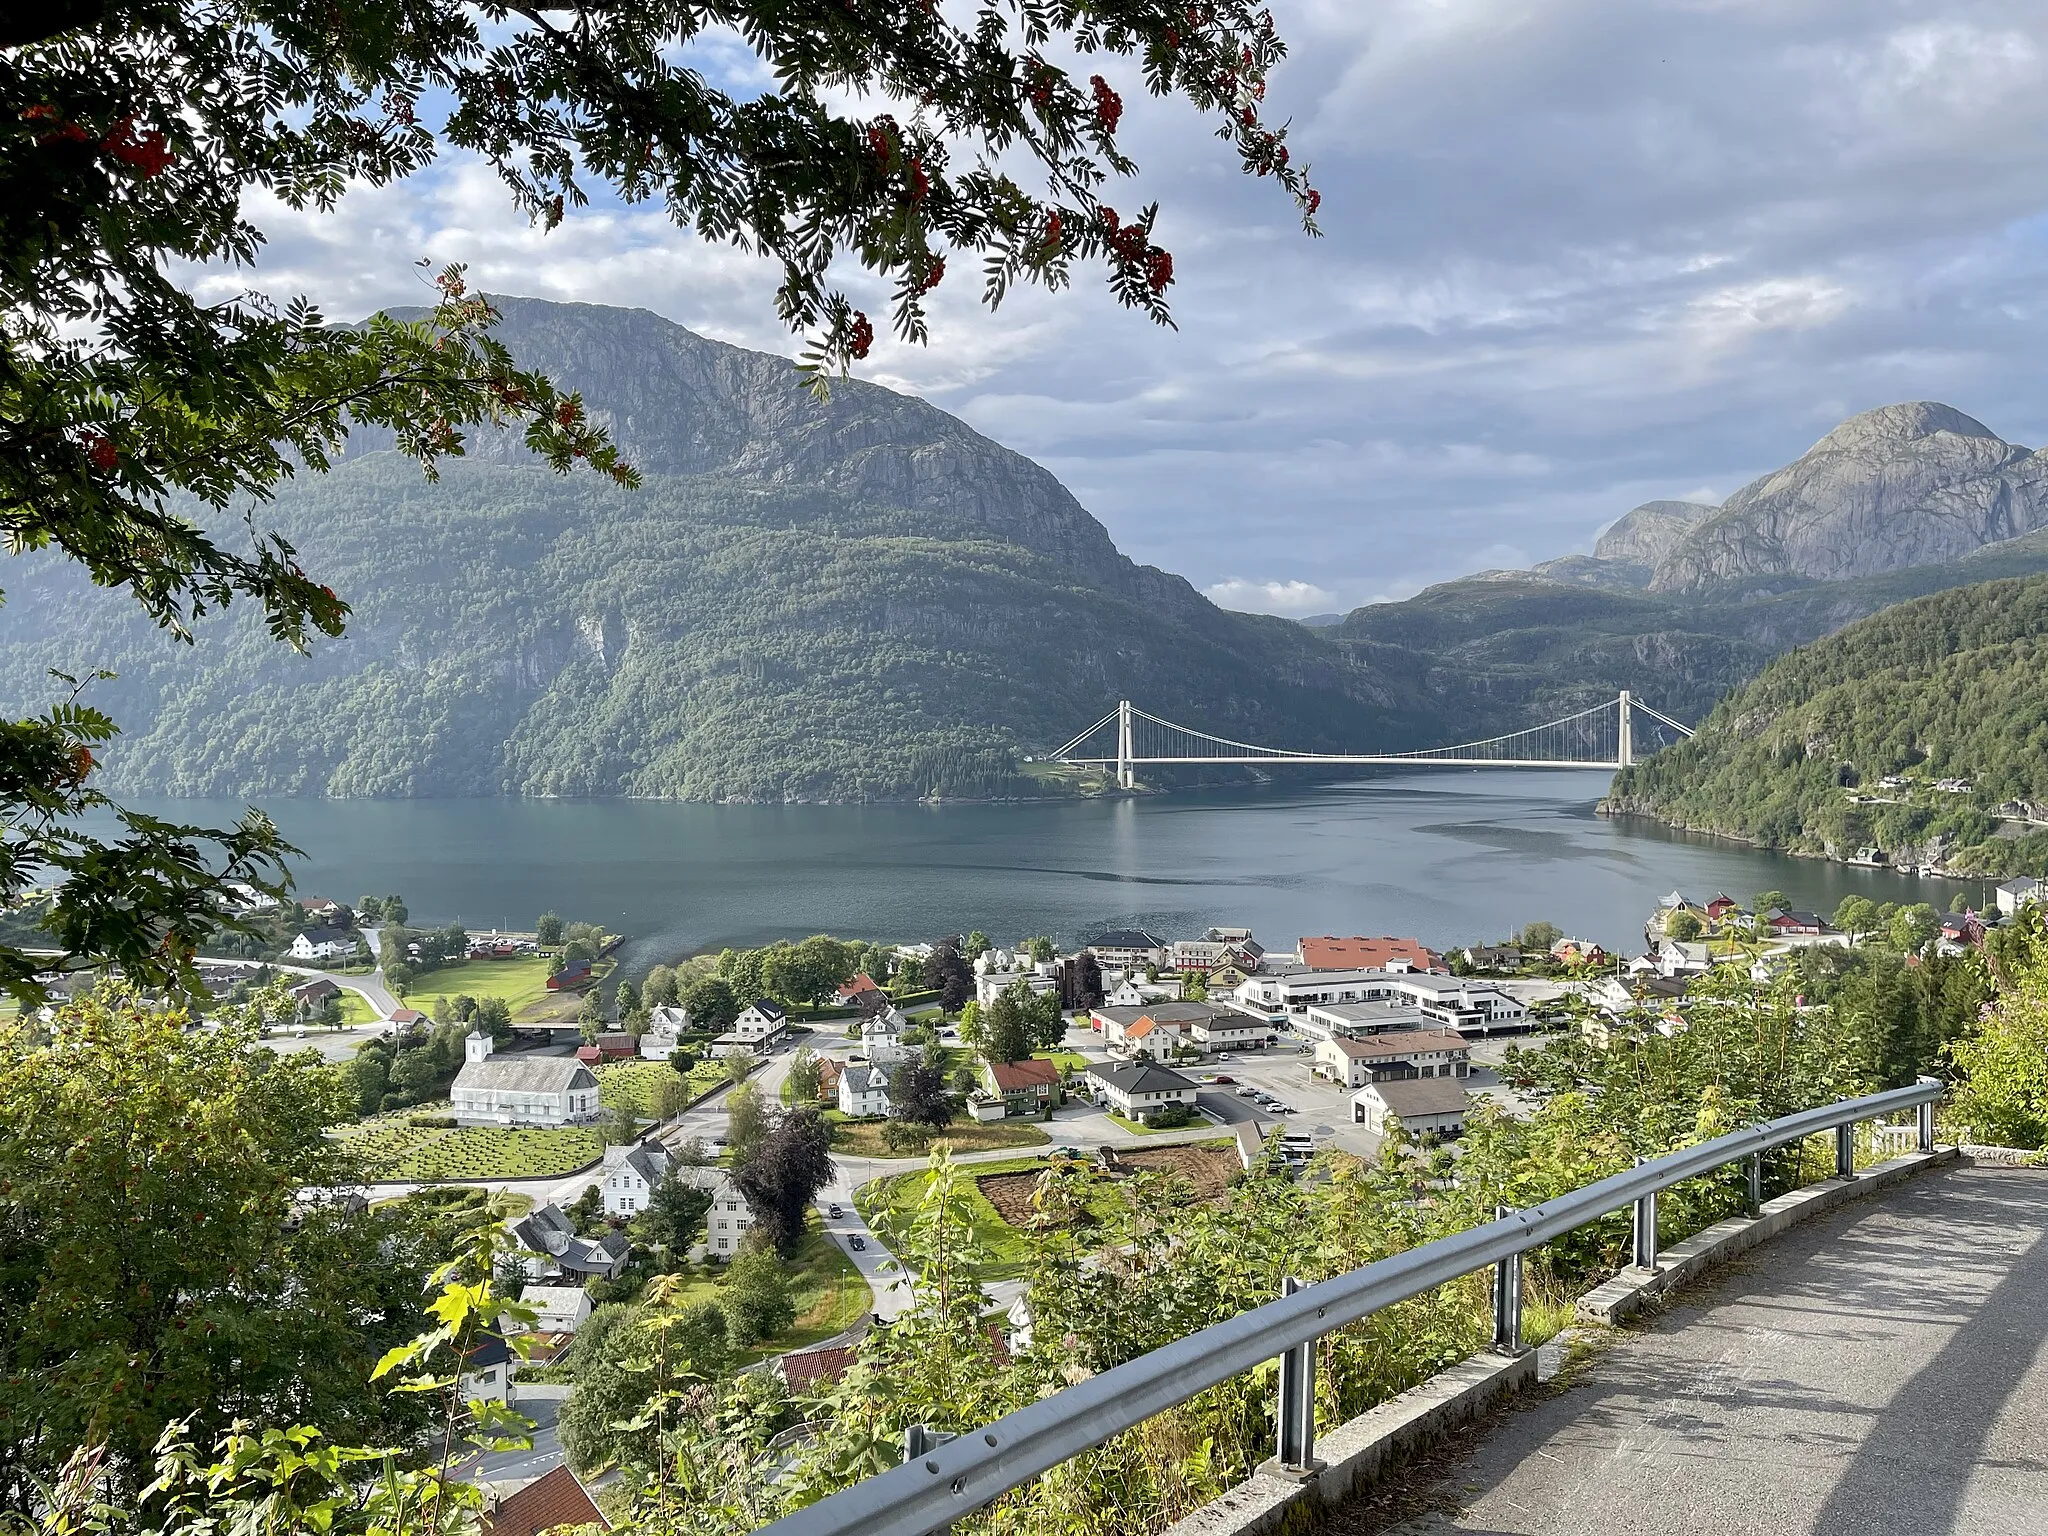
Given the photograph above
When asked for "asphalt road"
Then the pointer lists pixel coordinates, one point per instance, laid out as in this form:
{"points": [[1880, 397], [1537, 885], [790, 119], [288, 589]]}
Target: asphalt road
{"points": [[1878, 1370]]}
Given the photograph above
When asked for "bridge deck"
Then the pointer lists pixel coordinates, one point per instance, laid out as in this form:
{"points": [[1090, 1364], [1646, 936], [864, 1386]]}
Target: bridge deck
{"points": [[1881, 1370]]}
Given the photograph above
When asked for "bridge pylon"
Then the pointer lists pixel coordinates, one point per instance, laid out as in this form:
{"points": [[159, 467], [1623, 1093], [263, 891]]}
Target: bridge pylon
{"points": [[1627, 754], [1126, 775]]}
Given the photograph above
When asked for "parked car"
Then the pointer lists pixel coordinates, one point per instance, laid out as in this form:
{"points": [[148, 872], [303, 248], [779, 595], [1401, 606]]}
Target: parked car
{"points": [[857, 1244], [1222, 1079], [1226, 1056], [834, 1212], [1247, 1093]]}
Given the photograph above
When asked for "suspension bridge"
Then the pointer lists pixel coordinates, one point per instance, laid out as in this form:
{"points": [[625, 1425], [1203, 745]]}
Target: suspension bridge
{"points": [[1603, 736]]}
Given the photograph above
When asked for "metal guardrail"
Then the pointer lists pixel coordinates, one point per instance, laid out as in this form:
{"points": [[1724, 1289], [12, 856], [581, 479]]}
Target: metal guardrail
{"points": [[940, 1482]]}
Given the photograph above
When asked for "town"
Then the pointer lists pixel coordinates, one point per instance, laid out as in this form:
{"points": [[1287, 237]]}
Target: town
{"points": [[759, 1126]]}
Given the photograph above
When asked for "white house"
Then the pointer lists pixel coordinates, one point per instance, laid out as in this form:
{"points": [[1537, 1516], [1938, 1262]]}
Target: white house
{"points": [[550, 1239], [557, 1308], [323, 946], [990, 985], [521, 1090], [759, 1027], [727, 1221], [863, 1091], [881, 1040], [1428, 1106], [1148, 1039], [630, 1174], [1397, 1055], [486, 1370], [665, 1026], [1227, 1032], [1138, 1088], [2015, 894], [1325, 1021]]}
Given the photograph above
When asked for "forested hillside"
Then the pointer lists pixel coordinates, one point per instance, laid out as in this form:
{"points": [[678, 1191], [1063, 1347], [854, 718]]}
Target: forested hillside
{"points": [[858, 599], [1944, 687]]}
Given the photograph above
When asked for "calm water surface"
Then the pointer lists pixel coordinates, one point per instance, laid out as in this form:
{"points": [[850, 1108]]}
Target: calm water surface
{"points": [[1447, 856]]}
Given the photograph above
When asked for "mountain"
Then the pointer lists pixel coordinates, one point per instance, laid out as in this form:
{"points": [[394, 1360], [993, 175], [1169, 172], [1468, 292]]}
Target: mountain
{"points": [[852, 599], [1905, 485], [1647, 534], [1842, 743]]}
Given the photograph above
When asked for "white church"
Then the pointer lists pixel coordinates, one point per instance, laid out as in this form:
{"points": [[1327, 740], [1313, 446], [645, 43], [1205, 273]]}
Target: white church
{"points": [[521, 1090]]}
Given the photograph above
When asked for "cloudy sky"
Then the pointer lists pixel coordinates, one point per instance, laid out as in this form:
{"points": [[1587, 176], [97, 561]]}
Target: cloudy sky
{"points": [[1578, 254]]}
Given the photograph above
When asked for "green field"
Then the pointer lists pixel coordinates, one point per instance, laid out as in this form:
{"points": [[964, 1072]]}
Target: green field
{"points": [[863, 1138], [1066, 1061], [521, 983], [356, 1009]]}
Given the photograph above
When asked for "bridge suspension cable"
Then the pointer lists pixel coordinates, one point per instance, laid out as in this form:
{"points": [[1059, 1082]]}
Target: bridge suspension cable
{"points": [[1605, 735]]}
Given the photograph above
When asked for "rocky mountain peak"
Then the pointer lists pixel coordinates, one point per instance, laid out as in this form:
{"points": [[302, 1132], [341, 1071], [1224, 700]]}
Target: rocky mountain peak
{"points": [[1904, 485], [1648, 533], [1905, 422]]}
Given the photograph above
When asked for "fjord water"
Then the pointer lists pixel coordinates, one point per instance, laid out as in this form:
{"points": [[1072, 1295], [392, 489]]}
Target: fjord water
{"points": [[1447, 856]]}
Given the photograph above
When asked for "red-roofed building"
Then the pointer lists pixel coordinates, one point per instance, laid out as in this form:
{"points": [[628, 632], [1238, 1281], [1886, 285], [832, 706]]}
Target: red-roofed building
{"points": [[1025, 1087], [407, 1016], [812, 1370], [1327, 953], [547, 1503]]}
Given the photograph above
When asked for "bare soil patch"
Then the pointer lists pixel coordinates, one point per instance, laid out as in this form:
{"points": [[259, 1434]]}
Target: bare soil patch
{"points": [[1209, 1169], [1010, 1194]]}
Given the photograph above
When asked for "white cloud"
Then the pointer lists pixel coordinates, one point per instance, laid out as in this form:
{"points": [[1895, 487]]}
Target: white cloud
{"points": [[1291, 599]]}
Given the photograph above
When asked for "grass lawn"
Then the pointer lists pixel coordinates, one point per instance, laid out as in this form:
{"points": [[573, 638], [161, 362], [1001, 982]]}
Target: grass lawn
{"points": [[1066, 1061], [863, 1138], [890, 1204], [356, 1009], [521, 983]]}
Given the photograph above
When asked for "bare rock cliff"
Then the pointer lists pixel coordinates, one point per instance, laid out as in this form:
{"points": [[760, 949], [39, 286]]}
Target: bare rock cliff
{"points": [[1905, 485]]}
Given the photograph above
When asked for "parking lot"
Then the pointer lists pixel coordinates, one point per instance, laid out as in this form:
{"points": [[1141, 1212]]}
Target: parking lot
{"points": [[1314, 1107]]}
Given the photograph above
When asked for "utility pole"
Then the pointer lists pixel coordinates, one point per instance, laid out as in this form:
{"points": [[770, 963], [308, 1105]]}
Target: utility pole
{"points": [[1628, 739], [1126, 778]]}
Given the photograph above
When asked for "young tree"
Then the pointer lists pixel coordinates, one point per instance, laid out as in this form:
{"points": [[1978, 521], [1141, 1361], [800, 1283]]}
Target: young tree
{"points": [[494, 1017], [548, 930], [1913, 928], [621, 1125], [803, 1075], [1856, 916], [1040, 949], [627, 999], [671, 1094], [971, 1025], [1194, 986], [1538, 936], [739, 1065], [590, 1017], [918, 1095], [755, 1298], [782, 1173], [370, 910], [975, 945], [395, 909], [1768, 901], [746, 1121]]}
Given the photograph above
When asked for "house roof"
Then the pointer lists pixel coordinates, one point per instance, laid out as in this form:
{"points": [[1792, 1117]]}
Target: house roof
{"points": [[816, 1367], [856, 984], [1016, 1076], [1125, 938], [649, 1159], [556, 1499], [1421, 1096], [768, 1009], [1328, 953], [1399, 1042], [1798, 919], [1139, 1077], [861, 1079], [314, 990], [407, 1016], [525, 1074], [1159, 1013]]}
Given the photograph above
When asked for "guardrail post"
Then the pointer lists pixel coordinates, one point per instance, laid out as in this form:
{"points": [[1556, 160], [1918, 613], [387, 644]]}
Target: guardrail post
{"points": [[1646, 1228], [1754, 1166], [1297, 1408], [1926, 1123], [1507, 1300], [1845, 1151]]}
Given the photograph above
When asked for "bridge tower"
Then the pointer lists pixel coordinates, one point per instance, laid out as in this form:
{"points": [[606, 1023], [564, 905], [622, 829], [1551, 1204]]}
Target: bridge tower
{"points": [[1126, 775], [1628, 737]]}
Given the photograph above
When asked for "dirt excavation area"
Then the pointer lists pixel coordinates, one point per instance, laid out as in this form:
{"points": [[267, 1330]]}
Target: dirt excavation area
{"points": [[1208, 1169]]}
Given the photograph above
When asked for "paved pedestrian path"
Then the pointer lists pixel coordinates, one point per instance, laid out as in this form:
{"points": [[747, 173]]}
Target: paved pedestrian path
{"points": [[1880, 1370]]}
